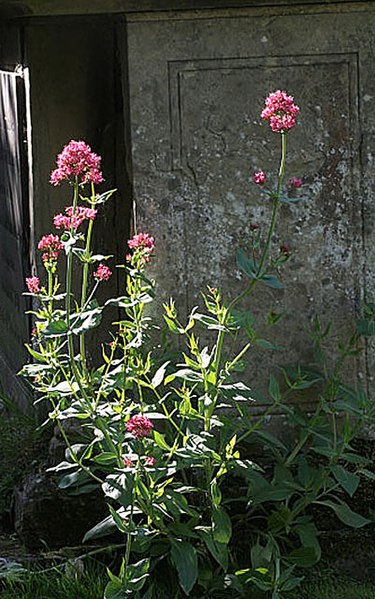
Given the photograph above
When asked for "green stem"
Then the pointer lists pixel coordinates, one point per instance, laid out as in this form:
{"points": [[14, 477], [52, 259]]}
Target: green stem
{"points": [[84, 280], [50, 291], [259, 422], [107, 436], [69, 265], [304, 439], [106, 549], [71, 450], [236, 300]]}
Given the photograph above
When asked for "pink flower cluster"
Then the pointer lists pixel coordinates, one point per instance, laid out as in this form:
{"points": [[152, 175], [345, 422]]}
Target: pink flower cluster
{"points": [[296, 183], [285, 250], [51, 246], [73, 219], [102, 273], [280, 111], [77, 161], [129, 463], [143, 243], [259, 178], [32, 284], [139, 426]]}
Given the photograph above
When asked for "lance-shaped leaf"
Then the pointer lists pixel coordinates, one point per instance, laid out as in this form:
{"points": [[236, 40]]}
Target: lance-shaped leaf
{"points": [[184, 559]]}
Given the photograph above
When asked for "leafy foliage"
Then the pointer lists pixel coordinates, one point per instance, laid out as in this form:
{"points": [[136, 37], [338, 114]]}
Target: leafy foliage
{"points": [[170, 439]]}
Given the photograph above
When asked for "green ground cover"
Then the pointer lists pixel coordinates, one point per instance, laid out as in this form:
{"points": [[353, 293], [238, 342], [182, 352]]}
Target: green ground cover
{"points": [[90, 585]]}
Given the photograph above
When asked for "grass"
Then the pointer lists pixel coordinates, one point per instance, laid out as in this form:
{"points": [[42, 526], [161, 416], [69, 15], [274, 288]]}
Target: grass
{"points": [[321, 584], [55, 585], [336, 590]]}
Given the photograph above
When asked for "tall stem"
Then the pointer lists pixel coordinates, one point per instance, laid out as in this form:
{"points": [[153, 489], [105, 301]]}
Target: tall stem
{"points": [[84, 280], [250, 287], [50, 291], [69, 265]]}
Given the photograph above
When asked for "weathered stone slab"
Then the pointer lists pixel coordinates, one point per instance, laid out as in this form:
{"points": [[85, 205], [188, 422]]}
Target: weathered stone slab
{"points": [[18, 8], [196, 92]]}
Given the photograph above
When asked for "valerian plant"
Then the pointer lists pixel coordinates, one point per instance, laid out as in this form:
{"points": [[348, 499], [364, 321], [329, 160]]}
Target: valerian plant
{"points": [[170, 441]]}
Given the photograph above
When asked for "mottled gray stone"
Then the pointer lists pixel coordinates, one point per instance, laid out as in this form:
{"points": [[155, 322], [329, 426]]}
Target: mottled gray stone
{"points": [[196, 91]]}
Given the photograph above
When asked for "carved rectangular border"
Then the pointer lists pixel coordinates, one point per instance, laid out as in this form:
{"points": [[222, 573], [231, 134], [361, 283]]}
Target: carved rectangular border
{"points": [[176, 70]]}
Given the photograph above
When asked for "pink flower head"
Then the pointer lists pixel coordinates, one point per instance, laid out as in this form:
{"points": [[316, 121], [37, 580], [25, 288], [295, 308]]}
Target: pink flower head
{"points": [[144, 244], [51, 246], [32, 284], [139, 426], [128, 462], [150, 461], [296, 183], [77, 161], [102, 273], [254, 227], [259, 178], [73, 219], [285, 249], [280, 111]]}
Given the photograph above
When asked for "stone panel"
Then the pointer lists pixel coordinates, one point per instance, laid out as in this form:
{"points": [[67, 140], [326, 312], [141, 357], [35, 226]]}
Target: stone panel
{"points": [[196, 92]]}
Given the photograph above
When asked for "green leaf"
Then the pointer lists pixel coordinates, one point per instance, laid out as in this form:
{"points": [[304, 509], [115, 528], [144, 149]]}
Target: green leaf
{"points": [[212, 324], [115, 589], [215, 493], [274, 389], [186, 374], [367, 473], [35, 354], [184, 558], [264, 344], [346, 479], [345, 514], [104, 197], [291, 583], [221, 525], [106, 457], [56, 328], [136, 574], [125, 301], [102, 529], [76, 478], [247, 265], [272, 281], [366, 327], [303, 556], [64, 388], [119, 522], [68, 241], [172, 326], [272, 441], [219, 551], [159, 375], [304, 474], [160, 441], [308, 535], [99, 258], [261, 556], [84, 321], [119, 487]]}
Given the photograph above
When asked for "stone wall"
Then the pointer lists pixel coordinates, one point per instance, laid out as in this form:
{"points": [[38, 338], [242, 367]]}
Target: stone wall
{"points": [[171, 98], [197, 84]]}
